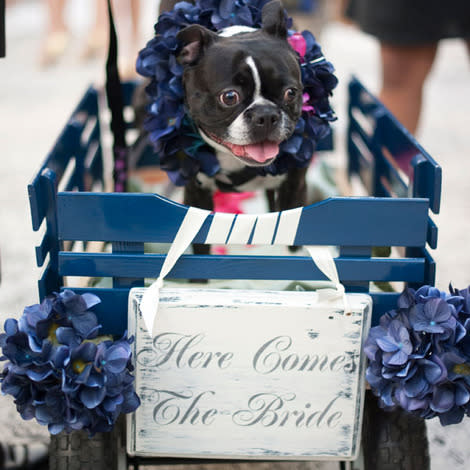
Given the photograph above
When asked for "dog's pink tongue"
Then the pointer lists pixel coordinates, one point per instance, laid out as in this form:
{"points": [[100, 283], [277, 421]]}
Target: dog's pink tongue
{"points": [[263, 151]]}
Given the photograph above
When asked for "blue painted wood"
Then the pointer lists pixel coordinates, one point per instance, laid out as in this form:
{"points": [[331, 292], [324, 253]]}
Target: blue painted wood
{"points": [[392, 175], [427, 180], [335, 221], [112, 311], [359, 164], [128, 90], [430, 269], [432, 230], [94, 135], [129, 219], [429, 266], [383, 302], [360, 284], [356, 128], [48, 282], [51, 281], [238, 267], [390, 134], [43, 250], [432, 234], [96, 167], [67, 144], [126, 279]]}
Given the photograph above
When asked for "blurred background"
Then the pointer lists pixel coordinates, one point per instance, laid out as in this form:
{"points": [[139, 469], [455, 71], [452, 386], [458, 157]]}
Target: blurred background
{"points": [[47, 69]]}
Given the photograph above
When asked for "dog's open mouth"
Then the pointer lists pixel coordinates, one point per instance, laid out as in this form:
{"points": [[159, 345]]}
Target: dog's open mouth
{"points": [[256, 154]]}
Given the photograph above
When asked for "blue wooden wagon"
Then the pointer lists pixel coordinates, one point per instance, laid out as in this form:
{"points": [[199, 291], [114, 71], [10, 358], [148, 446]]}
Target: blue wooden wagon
{"points": [[66, 196]]}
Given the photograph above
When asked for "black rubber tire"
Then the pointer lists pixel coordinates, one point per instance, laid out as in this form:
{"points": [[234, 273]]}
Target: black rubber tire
{"points": [[392, 440], [77, 451]]}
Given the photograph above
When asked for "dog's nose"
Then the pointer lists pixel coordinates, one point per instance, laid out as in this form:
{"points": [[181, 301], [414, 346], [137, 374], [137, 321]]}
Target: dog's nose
{"points": [[270, 118], [263, 118]]}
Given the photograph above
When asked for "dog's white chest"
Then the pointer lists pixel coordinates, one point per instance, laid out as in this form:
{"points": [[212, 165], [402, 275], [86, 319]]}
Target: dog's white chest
{"points": [[228, 165], [259, 182]]}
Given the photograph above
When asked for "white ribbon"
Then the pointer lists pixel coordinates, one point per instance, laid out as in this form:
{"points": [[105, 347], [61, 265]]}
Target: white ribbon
{"points": [[189, 228], [192, 223], [322, 257]]}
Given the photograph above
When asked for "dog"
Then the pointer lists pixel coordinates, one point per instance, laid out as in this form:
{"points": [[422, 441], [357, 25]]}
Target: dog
{"points": [[243, 91]]}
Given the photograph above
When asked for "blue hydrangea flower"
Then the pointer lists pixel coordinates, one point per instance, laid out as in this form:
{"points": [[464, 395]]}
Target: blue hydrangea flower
{"points": [[419, 355], [60, 372], [182, 152], [433, 316], [461, 301], [395, 345]]}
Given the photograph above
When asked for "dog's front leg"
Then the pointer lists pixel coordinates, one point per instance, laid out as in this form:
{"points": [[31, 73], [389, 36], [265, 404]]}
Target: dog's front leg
{"points": [[197, 196], [293, 191]]}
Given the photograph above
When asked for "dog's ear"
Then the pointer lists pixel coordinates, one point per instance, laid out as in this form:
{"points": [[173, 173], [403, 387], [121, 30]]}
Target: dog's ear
{"points": [[273, 19], [196, 39]]}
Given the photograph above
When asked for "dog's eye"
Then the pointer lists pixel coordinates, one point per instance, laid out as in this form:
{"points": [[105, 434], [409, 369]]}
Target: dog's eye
{"points": [[290, 94], [230, 98]]}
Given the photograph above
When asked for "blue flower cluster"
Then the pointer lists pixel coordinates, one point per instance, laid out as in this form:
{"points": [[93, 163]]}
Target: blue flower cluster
{"points": [[420, 354], [181, 150], [61, 372]]}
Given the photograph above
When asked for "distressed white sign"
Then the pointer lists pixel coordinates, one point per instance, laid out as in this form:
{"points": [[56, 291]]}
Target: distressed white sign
{"points": [[248, 374]]}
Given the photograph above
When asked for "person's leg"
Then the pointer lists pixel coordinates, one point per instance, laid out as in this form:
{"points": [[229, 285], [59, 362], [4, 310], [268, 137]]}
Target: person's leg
{"points": [[467, 41], [55, 16], [127, 19], [135, 43], [98, 36], [56, 37], [135, 19], [404, 71]]}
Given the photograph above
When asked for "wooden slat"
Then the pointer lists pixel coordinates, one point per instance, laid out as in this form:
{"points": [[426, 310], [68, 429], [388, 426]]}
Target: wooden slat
{"points": [[42, 250], [94, 161], [335, 221], [58, 158], [393, 136], [428, 181], [238, 267], [125, 279], [362, 164], [112, 311], [359, 254], [432, 234], [49, 282]]}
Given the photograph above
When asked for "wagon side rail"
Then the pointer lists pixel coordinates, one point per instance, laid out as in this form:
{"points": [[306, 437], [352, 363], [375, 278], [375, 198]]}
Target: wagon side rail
{"points": [[74, 163], [379, 147], [353, 224], [128, 221], [390, 162]]}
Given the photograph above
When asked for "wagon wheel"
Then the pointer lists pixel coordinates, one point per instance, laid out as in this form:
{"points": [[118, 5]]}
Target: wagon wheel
{"points": [[391, 440], [76, 451]]}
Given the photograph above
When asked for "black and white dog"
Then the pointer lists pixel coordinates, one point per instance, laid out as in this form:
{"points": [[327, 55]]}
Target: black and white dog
{"points": [[243, 91]]}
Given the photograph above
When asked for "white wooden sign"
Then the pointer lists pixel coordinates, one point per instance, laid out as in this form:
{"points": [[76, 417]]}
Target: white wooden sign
{"points": [[248, 374]]}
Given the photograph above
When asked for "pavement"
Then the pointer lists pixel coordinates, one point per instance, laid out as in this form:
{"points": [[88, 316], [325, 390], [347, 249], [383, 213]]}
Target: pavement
{"points": [[35, 103]]}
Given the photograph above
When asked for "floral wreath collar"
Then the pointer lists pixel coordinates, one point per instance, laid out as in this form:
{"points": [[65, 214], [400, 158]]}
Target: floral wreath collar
{"points": [[181, 150]]}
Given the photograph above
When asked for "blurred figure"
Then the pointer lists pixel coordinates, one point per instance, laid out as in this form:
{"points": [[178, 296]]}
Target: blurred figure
{"points": [[57, 34], [409, 32], [97, 39], [127, 17]]}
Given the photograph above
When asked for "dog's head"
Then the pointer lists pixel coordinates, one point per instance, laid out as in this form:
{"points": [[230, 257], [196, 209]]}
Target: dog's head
{"points": [[243, 89]]}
